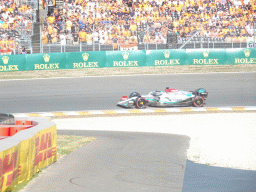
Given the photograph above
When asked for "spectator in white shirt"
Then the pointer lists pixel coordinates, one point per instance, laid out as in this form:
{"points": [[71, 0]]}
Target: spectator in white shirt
{"points": [[207, 34], [62, 39], [237, 3], [5, 15], [246, 2], [160, 40], [102, 34], [102, 41], [96, 36], [249, 29]]}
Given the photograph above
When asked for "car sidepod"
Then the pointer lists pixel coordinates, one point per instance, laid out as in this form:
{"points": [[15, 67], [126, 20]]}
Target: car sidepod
{"points": [[179, 98]]}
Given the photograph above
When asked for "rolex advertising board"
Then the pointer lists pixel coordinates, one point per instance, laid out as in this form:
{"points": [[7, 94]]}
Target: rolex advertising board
{"points": [[101, 59], [12, 63], [206, 57], [47, 61], [241, 56], [166, 57], [125, 58], [81, 60]]}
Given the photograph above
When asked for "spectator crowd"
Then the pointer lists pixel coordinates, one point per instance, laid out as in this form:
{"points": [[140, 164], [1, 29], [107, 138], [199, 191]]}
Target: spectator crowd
{"points": [[14, 17], [129, 22]]}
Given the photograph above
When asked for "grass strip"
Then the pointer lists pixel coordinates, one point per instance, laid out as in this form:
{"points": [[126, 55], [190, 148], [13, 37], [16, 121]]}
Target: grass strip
{"points": [[65, 145], [127, 71], [68, 143]]}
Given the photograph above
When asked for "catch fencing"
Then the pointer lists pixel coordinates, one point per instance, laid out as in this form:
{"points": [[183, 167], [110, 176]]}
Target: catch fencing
{"points": [[55, 48]]}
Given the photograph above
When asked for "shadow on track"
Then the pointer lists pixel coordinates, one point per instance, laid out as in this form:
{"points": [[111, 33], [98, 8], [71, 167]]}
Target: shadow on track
{"points": [[201, 178]]}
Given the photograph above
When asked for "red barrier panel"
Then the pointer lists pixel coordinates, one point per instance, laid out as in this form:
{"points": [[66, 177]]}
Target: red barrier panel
{"points": [[16, 129], [23, 122], [10, 130], [4, 131]]}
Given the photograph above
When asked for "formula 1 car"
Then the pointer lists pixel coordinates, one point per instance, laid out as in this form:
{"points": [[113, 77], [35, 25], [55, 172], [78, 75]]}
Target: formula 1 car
{"points": [[167, 98]]}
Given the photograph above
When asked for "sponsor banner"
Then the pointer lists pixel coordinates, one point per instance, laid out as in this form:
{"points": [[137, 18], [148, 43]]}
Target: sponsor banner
{"points": [[21, 162], [48, 61], [45, 148], [166, 57], [12, 63], [80, 60], [101, 59], [241, 56], [125, 58], [206, 57], [9, 168]]}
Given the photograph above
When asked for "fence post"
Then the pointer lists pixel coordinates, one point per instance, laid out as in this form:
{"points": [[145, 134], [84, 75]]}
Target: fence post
{"points": [[93, 48], [147, 36], [201, 35], [41, 44], [253, 33]]}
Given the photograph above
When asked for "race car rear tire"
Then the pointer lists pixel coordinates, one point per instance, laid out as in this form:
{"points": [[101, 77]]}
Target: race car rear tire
{"points": [[141, 103], [198, 101]]}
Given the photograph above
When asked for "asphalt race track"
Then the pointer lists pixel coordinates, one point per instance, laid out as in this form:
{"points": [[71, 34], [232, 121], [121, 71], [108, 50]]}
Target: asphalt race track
{"points": [[130, 161], [103, 93], [119, 162]]}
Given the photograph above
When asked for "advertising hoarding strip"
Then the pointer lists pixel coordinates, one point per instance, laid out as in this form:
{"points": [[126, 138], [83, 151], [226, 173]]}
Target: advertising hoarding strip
{"points": [[117, 59]]}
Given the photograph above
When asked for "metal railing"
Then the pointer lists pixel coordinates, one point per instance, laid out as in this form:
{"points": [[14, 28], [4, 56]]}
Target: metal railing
{"points": [[51, 48], [26, 32]]}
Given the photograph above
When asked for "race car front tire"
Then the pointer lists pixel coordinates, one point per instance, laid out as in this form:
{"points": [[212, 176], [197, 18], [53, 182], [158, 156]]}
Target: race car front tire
{"points": [[198, 101], [141, 103]]}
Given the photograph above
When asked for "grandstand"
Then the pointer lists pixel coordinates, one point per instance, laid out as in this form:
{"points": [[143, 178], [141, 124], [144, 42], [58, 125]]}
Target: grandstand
{"points": [[90, 25], [16, 25]]}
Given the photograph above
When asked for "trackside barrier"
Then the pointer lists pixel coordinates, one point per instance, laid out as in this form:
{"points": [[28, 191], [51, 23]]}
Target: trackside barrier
{"points": [[26, 152], [6, 119], [149, 58], [7, 130]]}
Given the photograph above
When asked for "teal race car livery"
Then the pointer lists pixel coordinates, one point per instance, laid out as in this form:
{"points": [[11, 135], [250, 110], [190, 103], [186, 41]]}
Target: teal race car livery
{"points": [[167, 98]]}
